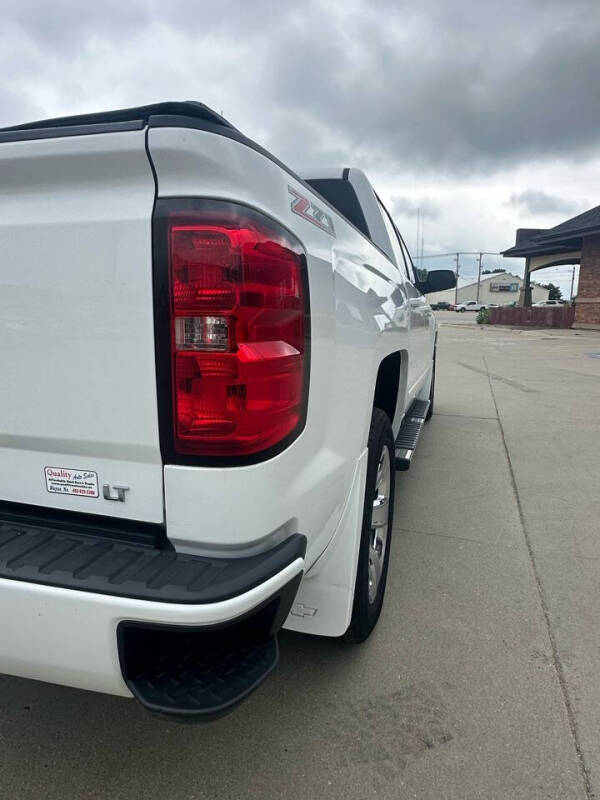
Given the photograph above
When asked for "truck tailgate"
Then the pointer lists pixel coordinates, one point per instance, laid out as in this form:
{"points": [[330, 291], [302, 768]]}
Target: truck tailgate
{"points": [[78, 380]]}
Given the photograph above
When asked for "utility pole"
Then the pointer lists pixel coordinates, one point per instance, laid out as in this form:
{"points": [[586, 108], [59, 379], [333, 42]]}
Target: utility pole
{"points": [[479, 275], [418, 231], [572, 283], [525, 293], [456, 287]]}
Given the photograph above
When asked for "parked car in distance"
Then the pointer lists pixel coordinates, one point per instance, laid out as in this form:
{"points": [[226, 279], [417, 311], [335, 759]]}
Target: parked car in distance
{"points": [[473, 305], [441, 306], [544, 303]]}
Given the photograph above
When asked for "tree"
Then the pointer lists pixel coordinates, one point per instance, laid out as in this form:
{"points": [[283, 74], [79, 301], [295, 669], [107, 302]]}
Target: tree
{"points": [[554, 292], [491, 271]]}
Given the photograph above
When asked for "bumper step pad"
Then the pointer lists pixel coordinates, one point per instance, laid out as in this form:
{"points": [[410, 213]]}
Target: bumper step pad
{"points": [[201, 674], [408, 435]]}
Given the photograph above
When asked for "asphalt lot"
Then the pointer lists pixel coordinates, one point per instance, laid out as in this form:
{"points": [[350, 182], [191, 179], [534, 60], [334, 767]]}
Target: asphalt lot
{"points": [[483, 677]]}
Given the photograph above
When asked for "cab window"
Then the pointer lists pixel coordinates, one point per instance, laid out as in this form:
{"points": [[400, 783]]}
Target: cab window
{"points": [[394, 241], [412, 275]]}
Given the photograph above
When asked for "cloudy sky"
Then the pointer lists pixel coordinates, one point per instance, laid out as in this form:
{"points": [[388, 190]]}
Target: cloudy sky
{"points": [[485, 115]]}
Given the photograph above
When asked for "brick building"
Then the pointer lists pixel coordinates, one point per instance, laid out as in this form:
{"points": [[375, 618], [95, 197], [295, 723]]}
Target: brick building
{"points": [[576, 241]]}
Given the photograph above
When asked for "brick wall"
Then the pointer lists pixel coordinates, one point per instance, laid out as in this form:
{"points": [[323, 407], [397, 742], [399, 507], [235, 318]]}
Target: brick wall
{"points": [[549, 317], [587, 311]]}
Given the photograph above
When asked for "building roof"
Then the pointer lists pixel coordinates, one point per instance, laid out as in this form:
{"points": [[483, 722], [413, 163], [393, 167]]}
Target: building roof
{"points": [[562, 238], [575, 225]]}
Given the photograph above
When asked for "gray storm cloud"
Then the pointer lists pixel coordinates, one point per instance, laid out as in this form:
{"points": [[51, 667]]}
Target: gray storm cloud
{"points": [[435, 86], [534, 201], [409, 207], [480, 115]]}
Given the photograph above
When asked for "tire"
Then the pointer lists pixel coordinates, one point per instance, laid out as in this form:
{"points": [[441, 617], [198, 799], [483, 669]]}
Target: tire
{"points": [[374, 551], [429, 414], [462, 310]]}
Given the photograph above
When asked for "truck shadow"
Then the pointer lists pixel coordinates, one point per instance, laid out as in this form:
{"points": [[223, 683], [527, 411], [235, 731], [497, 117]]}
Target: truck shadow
{"points": [[320, 707]]}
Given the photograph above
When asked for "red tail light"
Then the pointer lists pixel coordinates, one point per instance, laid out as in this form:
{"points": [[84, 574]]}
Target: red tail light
{"points": [[238, 328]]}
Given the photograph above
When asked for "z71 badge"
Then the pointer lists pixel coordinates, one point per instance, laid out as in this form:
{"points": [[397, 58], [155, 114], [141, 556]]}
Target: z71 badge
{"points": [[308, 210]]}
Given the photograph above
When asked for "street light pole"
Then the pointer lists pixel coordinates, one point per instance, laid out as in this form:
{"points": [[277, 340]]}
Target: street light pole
{"points": [[572, 283]]}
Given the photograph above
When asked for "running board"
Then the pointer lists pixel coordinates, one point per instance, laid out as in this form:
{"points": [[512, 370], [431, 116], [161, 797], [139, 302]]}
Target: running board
{"points": [[408, 435]]}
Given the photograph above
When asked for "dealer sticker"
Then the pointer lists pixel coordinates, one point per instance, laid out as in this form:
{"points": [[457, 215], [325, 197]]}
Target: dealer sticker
{"points": [[60, 480]]}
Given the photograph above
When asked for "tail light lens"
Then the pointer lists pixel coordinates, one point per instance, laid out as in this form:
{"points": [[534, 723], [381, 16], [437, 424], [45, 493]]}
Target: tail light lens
{"points": [[238, 327]]}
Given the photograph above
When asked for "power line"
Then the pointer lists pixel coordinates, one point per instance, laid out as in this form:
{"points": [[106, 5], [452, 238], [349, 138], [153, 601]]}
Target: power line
{"points": [[456, 256], [560, 276], [461, 253], [485, 253]]}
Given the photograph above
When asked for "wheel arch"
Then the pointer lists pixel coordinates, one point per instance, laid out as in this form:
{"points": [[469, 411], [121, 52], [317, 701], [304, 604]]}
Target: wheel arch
{"points": [[390, 385]]}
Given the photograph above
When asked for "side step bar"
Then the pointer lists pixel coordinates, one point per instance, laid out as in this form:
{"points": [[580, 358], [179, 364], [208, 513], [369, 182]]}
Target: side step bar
{"points": [[410, 430]]}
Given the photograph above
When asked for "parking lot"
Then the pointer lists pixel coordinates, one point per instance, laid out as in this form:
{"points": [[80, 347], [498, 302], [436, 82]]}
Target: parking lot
{"points": [[482, 679]]}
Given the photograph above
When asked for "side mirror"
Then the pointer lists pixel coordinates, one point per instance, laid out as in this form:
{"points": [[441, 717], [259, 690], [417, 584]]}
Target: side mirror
{"points": [[435, 281]]}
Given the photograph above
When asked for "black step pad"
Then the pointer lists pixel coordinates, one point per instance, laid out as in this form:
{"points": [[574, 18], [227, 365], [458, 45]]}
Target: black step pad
{"points": [[74, 560], [198, 674], [409, 433], [193, 683], [419, 409]]}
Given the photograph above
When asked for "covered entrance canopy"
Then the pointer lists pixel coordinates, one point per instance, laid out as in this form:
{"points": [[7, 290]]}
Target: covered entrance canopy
{"points": [[575, 241]]}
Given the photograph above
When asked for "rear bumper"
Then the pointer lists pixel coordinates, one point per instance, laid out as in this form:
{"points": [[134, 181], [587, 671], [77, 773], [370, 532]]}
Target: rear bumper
{"points": [[67, 635], [70, 637]]}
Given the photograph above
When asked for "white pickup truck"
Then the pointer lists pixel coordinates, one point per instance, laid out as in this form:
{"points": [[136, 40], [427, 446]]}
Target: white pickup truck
{"points": [[211, 369]]}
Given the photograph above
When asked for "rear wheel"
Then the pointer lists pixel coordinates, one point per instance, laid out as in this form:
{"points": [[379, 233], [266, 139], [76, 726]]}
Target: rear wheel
{"points": [[378, 513]]}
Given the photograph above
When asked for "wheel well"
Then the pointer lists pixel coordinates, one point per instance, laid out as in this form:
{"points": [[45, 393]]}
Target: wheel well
{"points": [[388, 381]]}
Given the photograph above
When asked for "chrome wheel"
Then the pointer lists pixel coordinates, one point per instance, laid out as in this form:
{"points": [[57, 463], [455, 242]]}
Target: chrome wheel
{"points": [[379, 523]]}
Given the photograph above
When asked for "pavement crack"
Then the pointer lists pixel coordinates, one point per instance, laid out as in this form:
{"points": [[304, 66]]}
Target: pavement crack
{"points": [[558, 666], [468, 539], [460, 416], [515, 384]]}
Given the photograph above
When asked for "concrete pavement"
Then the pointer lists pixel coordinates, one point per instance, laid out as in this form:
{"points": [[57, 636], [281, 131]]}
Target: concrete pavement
{"points": [[482, 679]]}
